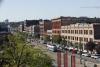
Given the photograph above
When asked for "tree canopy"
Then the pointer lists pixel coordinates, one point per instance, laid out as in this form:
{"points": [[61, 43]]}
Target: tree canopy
{"points": [[19, 54], [97, 48], [46, 38], [57, 39], [90, 46]]}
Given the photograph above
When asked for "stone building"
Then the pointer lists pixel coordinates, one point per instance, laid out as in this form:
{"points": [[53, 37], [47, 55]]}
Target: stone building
{"points": [[81, 32]]}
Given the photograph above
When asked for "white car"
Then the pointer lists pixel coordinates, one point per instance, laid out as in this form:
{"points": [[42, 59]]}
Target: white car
{"points": [[52, 48], [95, 56], [70, 48], [86, 54]]}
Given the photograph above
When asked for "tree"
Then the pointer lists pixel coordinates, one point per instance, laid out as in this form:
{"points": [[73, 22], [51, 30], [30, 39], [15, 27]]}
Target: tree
{"points": [[80, 46], [19, 54], [63, 42], [76, 45], [97, 48], [57, 39], [90, 46], [46, 38]]}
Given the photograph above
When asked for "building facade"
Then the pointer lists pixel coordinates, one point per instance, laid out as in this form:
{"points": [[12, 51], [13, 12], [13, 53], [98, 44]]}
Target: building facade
{"points": [[29, 23], [58, 22], [44, 26], [81, 32]]}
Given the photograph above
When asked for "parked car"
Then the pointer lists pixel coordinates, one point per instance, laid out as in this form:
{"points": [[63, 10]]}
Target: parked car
{"points": [[70, 48], [52, 48], [79, 52], [95, 56], [86, 54]]}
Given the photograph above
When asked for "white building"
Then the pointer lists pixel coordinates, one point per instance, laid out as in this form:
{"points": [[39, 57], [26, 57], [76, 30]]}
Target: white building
{"points": [[81, 32]]}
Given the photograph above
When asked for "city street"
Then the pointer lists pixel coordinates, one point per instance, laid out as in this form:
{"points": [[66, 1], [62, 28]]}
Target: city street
{"points": [[53, 55]]}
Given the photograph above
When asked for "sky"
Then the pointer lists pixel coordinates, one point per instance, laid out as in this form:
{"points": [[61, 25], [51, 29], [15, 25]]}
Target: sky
{"points": [[19, 10]]}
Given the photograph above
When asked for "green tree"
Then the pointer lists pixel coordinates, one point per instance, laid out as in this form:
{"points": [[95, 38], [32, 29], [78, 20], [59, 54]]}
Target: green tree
{"points": [[19, 54], [90, 46], [97, 48], [57, 39], [80, 46], [76, 45], [46, 38], [63, 42]]}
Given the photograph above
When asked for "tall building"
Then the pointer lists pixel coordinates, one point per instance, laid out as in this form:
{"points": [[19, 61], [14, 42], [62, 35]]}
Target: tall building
{"points": [[44, 26], [81, 33], [58, 22]]}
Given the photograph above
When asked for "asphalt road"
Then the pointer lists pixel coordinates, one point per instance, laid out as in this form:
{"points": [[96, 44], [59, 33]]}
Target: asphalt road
{"points": [[89, 62], [53, 55]]}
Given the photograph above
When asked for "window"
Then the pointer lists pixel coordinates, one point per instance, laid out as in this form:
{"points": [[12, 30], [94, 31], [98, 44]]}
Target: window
{"points": [[75, 31], [81, 32], [73, 38], [90, 32], [65, 37], [69, 37], [77, 39], [86, 31], [68, 31], [86, 39], [58, 31], [62, 31], [65, 31], [80, 39]]}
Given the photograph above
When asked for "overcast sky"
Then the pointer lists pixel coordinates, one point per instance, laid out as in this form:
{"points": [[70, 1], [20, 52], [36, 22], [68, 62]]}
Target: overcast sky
{"points": [[17, 10]]}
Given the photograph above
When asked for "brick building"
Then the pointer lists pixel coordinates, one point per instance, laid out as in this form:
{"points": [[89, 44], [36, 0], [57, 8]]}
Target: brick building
{"points": [[58, 22]]}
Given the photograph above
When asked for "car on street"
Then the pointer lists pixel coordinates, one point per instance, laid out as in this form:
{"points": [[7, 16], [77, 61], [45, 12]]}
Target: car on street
{"points": [[95, 56], [86, 54], [70, 48], [52, 48]]}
